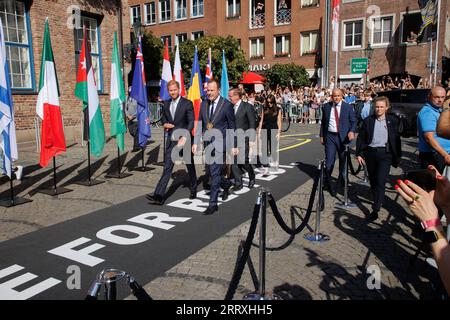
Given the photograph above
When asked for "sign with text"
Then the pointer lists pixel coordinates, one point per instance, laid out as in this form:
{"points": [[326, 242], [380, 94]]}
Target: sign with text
{"points": [[359, 65]]}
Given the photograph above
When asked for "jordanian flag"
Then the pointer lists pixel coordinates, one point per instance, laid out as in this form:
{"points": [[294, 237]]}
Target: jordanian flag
{"points": [[86, 91], [117, 97], [47, 106]]}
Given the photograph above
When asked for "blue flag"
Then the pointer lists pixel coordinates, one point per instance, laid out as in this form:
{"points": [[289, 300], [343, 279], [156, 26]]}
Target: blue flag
{"points": [[224, 86], [139, 93], [8, 142]]}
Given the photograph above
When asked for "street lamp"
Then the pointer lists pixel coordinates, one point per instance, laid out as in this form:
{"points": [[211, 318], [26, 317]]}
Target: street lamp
{"points": [[137, 28], [368, 51]]}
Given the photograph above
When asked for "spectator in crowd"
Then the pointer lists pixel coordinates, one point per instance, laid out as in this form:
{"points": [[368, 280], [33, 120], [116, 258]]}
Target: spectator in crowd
{"points": [[259, 14], [425, 206], [378, 146], [433, 150], [364, 108], [350, 97]]}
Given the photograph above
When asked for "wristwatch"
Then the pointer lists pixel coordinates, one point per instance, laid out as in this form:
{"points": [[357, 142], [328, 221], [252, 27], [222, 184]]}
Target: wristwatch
{"points": [[430, 223], [432, 236]]}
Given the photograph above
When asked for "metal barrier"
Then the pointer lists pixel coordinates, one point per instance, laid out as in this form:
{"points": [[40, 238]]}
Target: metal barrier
{"points": [[261, 293], [316, 236], [346, 205], [109, 278]]}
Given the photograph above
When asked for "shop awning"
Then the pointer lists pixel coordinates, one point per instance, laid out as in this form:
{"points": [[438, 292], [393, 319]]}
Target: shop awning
{"points": [[252, 78]]}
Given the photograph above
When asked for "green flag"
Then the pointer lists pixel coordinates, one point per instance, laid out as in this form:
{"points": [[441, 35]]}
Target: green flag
{"points": [[117, 97]]}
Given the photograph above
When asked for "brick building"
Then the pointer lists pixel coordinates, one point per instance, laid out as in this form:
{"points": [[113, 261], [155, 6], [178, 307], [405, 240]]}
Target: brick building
{"points": [[24, 31], [279, 32], [390, 27]]}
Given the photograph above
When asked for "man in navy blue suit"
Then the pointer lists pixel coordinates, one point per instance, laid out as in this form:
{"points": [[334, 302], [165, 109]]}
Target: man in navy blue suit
{"points": [[337, 129], [178, 113], [216, 117]]}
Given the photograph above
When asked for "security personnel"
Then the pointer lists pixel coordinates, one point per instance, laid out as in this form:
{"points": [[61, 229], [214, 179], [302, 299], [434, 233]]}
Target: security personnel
{"points": [[378, 146]]}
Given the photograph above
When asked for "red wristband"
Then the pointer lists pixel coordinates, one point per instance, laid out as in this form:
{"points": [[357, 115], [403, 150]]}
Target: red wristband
{"points": [[431, 223]]}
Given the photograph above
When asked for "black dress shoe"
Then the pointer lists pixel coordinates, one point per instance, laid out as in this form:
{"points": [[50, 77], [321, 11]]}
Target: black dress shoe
{"points": [[210, 210], [372, 217], [156, 199], [136, 149], [193, 195], [238, 187], [225, 194], [150, 197], [251, 183]]}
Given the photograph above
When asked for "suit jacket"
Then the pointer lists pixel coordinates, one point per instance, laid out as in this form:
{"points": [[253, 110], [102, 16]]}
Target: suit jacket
{"points": [[184, 116], [246, 118], [347, 121], [223, 118], [366, 132]]}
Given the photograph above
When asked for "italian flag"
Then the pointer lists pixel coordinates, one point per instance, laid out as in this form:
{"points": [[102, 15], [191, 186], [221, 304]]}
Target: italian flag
{"points": [[47, 106], [117, 97], [86, 91]]}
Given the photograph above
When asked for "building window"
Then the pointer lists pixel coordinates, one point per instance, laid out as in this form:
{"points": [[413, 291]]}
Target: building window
{"points": [[257, 48], [283, 12], [150, 13], [169, 41], [19, 53], [180, 9], [382, 30], [164, 10], [309, 43], [411, 24], [309, 3], [282, 46], [135, 14], [353, 34], [93, 33], [180, 38], [257, 14], [233, 8], [197, 8], [197, 35]]}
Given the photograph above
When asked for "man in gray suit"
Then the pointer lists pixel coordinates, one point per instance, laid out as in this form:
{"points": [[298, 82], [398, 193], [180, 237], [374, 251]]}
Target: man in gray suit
{"points": [[246, 120]]}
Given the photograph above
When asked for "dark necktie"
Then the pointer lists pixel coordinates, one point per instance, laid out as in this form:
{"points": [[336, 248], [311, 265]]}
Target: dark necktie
{"points": [[336, 116], [211, 111]]}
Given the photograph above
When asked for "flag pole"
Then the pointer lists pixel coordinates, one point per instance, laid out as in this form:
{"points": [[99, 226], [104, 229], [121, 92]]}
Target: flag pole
{"points": [[438, 18], [56, 190], [14, 201]]}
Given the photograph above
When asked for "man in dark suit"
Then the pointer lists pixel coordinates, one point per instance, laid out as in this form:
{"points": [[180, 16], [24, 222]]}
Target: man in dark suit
{"points": [[337, 129], [245, 120], [178, 113], [216, 116]]}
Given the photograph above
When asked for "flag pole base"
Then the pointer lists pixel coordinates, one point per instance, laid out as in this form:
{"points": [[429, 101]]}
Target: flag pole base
{"points": [[89, 183], [17, 202], [54, 192], [118, 175]]}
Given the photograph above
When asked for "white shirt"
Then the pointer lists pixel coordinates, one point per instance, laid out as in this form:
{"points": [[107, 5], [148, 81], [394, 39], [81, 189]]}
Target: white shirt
{"points": [[332, 125], [214, 105], [236, 106], [173, 106]]}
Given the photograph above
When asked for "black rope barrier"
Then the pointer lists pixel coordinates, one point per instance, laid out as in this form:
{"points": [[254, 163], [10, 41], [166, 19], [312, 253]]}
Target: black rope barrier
{"points": [[350, 164], [239, 268], [305, 221]]}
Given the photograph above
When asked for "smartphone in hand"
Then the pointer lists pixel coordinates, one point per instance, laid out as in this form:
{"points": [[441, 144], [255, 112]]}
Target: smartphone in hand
{"points": [[423, 178]]}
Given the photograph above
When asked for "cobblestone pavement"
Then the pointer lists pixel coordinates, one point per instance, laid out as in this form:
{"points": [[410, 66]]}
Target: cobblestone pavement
{"points": [[302, 270], [335, 270]]}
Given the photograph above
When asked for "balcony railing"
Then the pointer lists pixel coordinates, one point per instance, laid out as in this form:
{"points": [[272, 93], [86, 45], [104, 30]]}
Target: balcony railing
{"points": [[258, 20], [283, 16]]}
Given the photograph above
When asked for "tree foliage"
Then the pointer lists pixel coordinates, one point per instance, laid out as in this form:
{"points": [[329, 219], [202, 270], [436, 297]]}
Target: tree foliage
{"points": [[282, 74], [234, 56]]}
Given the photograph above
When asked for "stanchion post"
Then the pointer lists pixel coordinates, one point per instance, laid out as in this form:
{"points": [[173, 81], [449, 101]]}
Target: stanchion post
{"points": [[262, 244], [316, 236], [347, 204]]}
